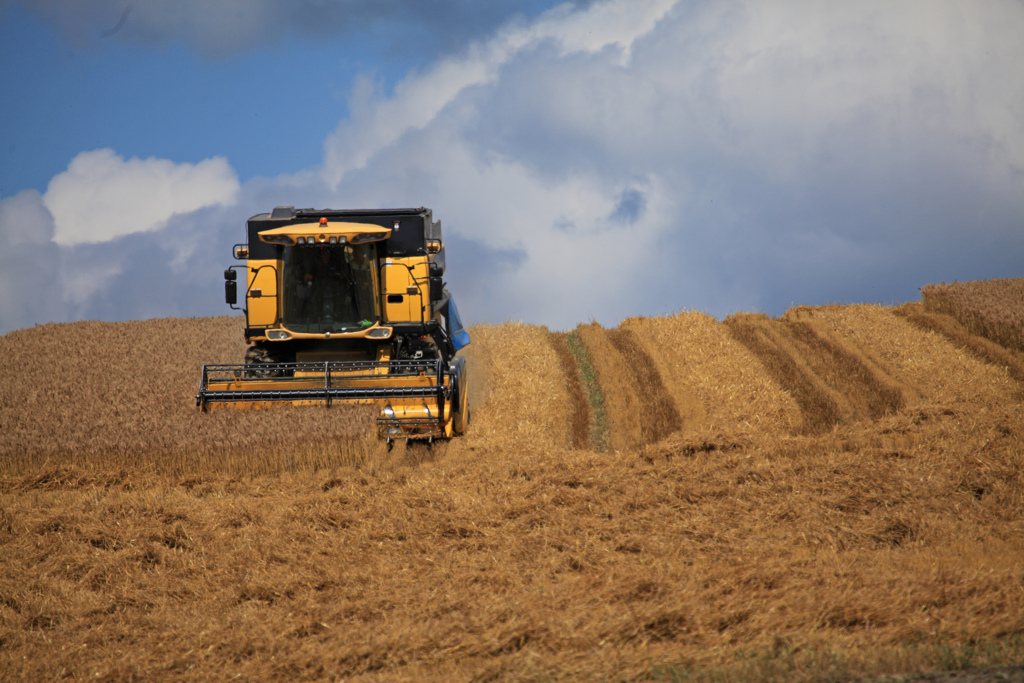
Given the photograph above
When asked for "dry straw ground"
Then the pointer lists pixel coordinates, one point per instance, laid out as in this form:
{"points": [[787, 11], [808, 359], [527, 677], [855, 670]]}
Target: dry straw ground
{"points": [[834, 494]]}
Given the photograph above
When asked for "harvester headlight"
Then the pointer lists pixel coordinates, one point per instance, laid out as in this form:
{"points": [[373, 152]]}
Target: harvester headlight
{"points": [[300, 240], [333, 239], [277, 335], [379, 333]]}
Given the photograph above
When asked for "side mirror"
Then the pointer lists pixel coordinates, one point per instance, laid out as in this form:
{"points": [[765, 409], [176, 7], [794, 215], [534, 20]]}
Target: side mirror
{"points": [[230, 287], [240, 252]]}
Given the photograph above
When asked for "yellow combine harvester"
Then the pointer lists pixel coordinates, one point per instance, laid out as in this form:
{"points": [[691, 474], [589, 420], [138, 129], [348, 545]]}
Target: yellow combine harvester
{"points": [[347, 307]]}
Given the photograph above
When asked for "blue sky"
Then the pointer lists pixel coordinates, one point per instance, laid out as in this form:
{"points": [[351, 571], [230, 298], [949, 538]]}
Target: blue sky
{"points": [[590, 160], [165, 96], [163, 101]]}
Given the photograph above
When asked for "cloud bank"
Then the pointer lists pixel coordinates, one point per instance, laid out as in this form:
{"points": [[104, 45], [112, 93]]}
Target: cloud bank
{"points": [[101, 196], [764, 153], [636, 158]]}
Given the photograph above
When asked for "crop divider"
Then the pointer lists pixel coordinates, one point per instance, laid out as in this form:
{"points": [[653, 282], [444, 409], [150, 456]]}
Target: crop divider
{"points": [[327, 383]]}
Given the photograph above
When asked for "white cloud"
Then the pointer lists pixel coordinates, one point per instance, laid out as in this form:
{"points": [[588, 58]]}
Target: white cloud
{"points": [[30, 290], [376, 123], [86, 280], [24, 220], [101, 196]]}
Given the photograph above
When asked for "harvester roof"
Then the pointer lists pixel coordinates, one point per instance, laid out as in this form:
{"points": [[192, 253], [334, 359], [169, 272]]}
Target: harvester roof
{"points": [[410, 228], [325, 232]]}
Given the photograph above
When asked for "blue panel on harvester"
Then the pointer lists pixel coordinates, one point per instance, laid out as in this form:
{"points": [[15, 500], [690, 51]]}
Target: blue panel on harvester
{"points": [[460, 337]]}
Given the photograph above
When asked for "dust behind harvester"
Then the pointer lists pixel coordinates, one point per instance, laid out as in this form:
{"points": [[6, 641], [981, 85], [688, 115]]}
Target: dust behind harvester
{"points": [[347, 307]]}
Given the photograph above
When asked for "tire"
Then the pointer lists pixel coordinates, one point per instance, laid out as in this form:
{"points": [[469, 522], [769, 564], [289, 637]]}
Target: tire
{"points": [[460, 404]]}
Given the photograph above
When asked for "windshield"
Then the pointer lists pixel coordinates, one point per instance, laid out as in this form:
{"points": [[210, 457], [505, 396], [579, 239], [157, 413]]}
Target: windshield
{"points": [[329, 289]]}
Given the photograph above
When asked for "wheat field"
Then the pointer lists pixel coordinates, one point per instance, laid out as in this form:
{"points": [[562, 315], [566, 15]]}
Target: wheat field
{"points": [[834, 494], [989, 308]]}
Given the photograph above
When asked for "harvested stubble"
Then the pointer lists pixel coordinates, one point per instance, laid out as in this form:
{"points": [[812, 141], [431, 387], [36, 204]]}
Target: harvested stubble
{"points": [[621, 400], [750, 554], [715, 382], [795, 366], [865, 382], [982, 348], [988, 308], [658, 415], [854, 362], [524, 400], [638, 408], [922, 361], [581, 415], [531, 564]]}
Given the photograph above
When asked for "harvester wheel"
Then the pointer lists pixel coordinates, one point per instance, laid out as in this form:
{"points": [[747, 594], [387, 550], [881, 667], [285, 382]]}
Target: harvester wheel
{"points": [[460, 420], [460, 397]]}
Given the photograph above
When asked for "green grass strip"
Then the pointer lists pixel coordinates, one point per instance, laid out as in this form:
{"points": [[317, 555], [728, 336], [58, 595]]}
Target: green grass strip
{"points": [[599, 431], [917, 660]]}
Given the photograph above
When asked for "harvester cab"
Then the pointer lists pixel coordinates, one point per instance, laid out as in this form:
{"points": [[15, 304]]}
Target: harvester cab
{"points": [[347, 306]]}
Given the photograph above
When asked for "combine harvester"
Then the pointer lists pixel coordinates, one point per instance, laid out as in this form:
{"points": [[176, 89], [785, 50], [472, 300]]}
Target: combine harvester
{"points": [[347, 307]]}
